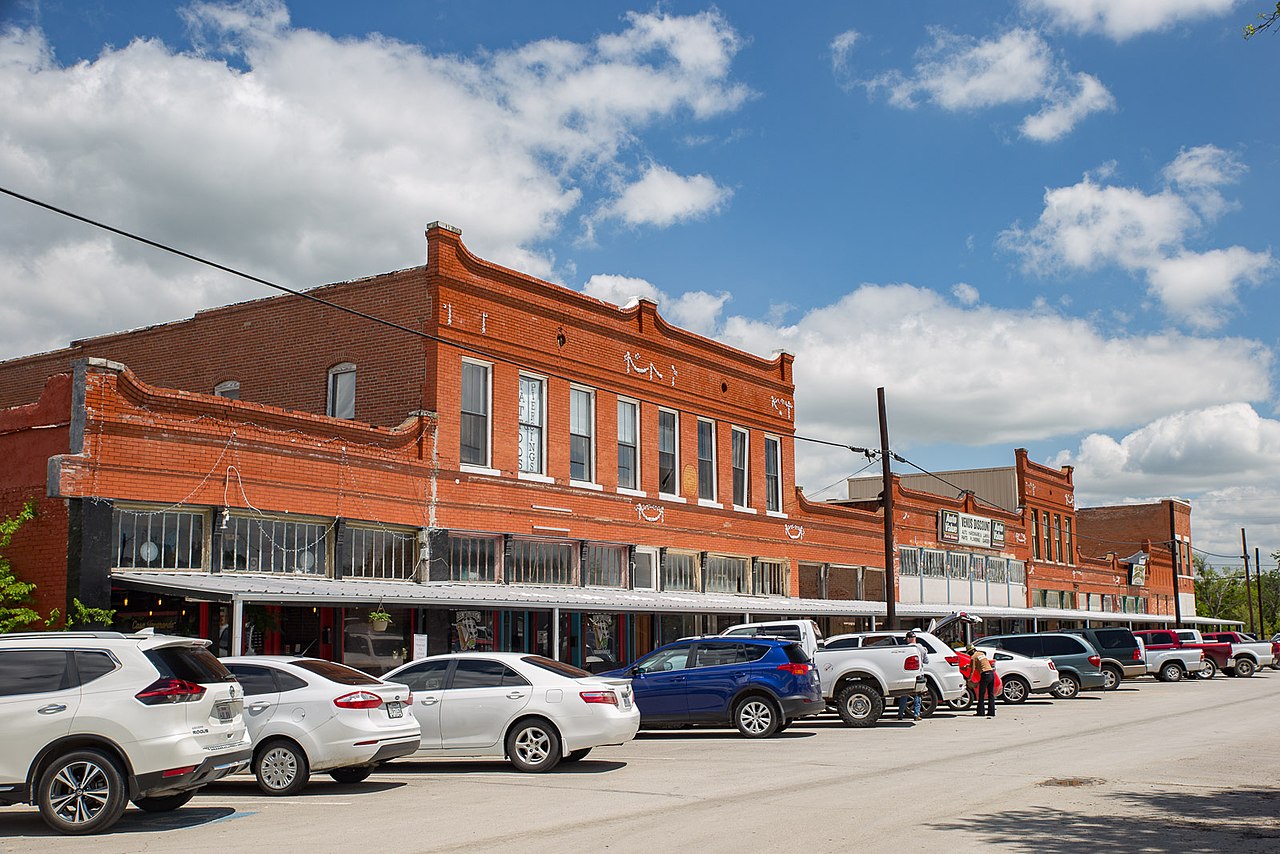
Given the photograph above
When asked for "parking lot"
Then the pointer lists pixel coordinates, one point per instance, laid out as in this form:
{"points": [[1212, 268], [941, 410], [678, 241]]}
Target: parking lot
{"points": [[1151, 767]]}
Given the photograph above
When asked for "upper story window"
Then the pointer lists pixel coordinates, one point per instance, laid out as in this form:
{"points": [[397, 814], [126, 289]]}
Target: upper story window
{"points": [[342, 391], [541, 562], [158, 539], [532, 418], [679, 571], [772, 474], [628, 444], [1067, 544], [727, 574], [1057, 538], [264, 544], [706, 459], [1046, 534], [1035, 533], [229, 389], [741, 488], [582, 434], [473, 557], [475, 413], [668, 452], [380, 553]]}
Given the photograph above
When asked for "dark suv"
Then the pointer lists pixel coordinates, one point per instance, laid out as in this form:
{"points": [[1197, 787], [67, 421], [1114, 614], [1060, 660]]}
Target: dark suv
{"points": [[1121, 657], [759, 685], [1079, 665]]}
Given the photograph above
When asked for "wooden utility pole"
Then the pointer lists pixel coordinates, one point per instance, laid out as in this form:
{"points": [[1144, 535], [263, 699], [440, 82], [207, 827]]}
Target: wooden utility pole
{"points": [[1248, 595], [890, 576], [1175, 548], [1257, 573]]}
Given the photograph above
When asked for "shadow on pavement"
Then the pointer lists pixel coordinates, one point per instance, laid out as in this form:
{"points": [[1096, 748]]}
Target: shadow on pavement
{"points": [[498, 767], [29, 824], [797, 731], [319, 785], [1200, 822]]}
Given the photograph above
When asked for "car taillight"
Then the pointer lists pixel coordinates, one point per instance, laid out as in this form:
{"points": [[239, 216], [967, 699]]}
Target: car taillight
{"points": [[1094, 661], [912, 662], [795, 669], [358, 700], [606, 697], [168, 689], [1137, 655], [408, 701], [953, 660], [1052, 666]]}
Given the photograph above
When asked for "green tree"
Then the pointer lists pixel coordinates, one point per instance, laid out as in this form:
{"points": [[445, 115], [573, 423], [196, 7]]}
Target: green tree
{"points": [[15, 594], [1265, 20]]}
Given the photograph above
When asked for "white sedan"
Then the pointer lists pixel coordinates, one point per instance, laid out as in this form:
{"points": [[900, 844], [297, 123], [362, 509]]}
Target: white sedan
{"points": [[530, 709], [307, 714], [1022, 676]]}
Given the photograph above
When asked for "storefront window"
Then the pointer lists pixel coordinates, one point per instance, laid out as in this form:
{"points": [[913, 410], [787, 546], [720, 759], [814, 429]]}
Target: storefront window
{"points": [[605, 566], [473, 558], [679, 571], [908, 561], [601, 651], [471, 631], [274, 545], [374, 646], [380, 553], [541, 562], [770, 578], [158, 539], [726, 574]]}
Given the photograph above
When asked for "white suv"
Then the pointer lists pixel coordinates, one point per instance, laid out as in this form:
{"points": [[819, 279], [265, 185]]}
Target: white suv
{"points": [[942, 672], [92, 720]]}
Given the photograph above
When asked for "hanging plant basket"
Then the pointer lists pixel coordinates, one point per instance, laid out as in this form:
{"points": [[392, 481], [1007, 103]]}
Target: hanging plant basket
{"points": [[379, 620]]}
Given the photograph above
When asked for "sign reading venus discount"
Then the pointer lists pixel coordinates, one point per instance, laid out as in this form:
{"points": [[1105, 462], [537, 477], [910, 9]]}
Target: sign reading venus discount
{"points": [[966, 530]]}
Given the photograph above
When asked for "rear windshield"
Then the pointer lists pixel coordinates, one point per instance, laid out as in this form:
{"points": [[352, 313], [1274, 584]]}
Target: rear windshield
{"points": [[192, 663], [1115, 638], [556, 667], [335, 672], [795, 653]]}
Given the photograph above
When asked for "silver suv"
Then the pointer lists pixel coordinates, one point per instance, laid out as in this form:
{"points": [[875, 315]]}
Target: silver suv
{"points": [[93, 720]]}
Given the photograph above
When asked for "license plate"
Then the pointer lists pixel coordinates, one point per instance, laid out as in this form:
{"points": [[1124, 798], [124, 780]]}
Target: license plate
{"points": [[395, 710], [224, 712], [626, 702]]}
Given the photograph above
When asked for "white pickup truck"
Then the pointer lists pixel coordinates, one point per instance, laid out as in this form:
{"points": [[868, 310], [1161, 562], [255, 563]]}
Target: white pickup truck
{"points": [[1170, 665], [855, 682], [1247, 652]]}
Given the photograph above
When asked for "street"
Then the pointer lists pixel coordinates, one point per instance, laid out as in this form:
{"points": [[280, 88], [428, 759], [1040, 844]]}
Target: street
{"points": [[1187, 767]]}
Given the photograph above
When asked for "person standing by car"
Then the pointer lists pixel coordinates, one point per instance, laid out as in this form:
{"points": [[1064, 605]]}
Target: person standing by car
{"points": [[986, 673], [913, 698]]}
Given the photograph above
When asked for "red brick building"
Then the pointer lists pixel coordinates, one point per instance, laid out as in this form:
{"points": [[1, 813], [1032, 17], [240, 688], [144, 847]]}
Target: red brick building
{"points": [[520, 467]]}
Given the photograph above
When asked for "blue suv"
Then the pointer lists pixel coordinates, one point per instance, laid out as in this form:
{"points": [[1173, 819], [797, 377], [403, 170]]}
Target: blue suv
{"points": [[759, 685]]}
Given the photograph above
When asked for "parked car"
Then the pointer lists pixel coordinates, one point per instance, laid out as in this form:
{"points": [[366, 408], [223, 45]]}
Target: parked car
{"points": [[307, 714], [1170, 664], [759, 685], [1121, 657], [942, 670], [1078, 663], [1247, 652], [1217, 655], [92, 720], [804, 632], [535, 711], [857, 681], [1021, 676]]}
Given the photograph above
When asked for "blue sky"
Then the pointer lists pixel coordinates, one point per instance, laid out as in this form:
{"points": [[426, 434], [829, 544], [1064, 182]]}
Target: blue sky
{"points": [[1041, 223]]}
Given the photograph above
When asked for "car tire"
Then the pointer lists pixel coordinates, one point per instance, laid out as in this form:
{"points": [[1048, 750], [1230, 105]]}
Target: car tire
{"points": [[61, 793], [533, 746], [929, 702], [964, 702], [860, 704], [1208, 670], [165, 803], [577, 755], [351, 774], [756, 717], [1067, 688], [1015, 691], [1171, 672], [281, 767], [1245, 667], [1113, 676]]}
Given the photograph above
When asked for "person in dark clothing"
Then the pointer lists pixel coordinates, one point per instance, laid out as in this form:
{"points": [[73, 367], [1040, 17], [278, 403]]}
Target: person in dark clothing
{"points": [[986, 673]]}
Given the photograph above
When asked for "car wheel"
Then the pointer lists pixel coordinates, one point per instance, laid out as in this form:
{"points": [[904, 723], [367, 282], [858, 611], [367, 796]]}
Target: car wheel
{"points": [[577, 755], [1171, 672], [81, 792], [962, 703], [533, 745], [1016, 690], [1245, 667], [281, 768], [929, 702], [1208, 670], [1112, 677], [756, 717], [1068, 687], [351, 774], [860, 704], [165, 803]]}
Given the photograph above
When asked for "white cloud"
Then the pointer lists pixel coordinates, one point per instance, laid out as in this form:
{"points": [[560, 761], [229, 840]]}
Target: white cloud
{"points": [[1088, 226], [663, 198], [312, 159], [697, 311], [841, 46], [966, 293], [962, 73], [1123, 19]]}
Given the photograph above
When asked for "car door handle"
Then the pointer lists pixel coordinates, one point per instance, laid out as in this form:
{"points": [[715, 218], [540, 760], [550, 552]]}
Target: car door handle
{"points": [[429, 701], [742, 675], [258, 707], [515, 695], [52, 709]]}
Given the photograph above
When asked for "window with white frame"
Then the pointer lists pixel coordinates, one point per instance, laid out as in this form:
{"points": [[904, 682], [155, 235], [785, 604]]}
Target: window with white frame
{"points": [[229, 389], [542, 562], [342, 391], [158, 539], [957, 565], [726, 574], [679, 571], [770, 578], [668, 452], [582, 434], [474, 448], [996, 569], [772, 474], [532, 417], [265, 544], [605, 565], [1017, 572], [908, 561], [1068, 544], [380, 553], [741, 487], [706, 459], [978, 567], [628, 444], [933, 563], [474, 557]]}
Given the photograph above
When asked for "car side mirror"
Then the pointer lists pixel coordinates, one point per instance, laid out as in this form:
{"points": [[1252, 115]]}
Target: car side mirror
{"points": [[636, 671]]}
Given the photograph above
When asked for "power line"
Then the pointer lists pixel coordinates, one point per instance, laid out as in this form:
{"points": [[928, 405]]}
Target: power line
{"points": [[845, 478]]}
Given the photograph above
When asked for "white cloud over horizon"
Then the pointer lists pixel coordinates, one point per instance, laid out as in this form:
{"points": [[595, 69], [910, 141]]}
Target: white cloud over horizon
{"points": [[1120, 20]]}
